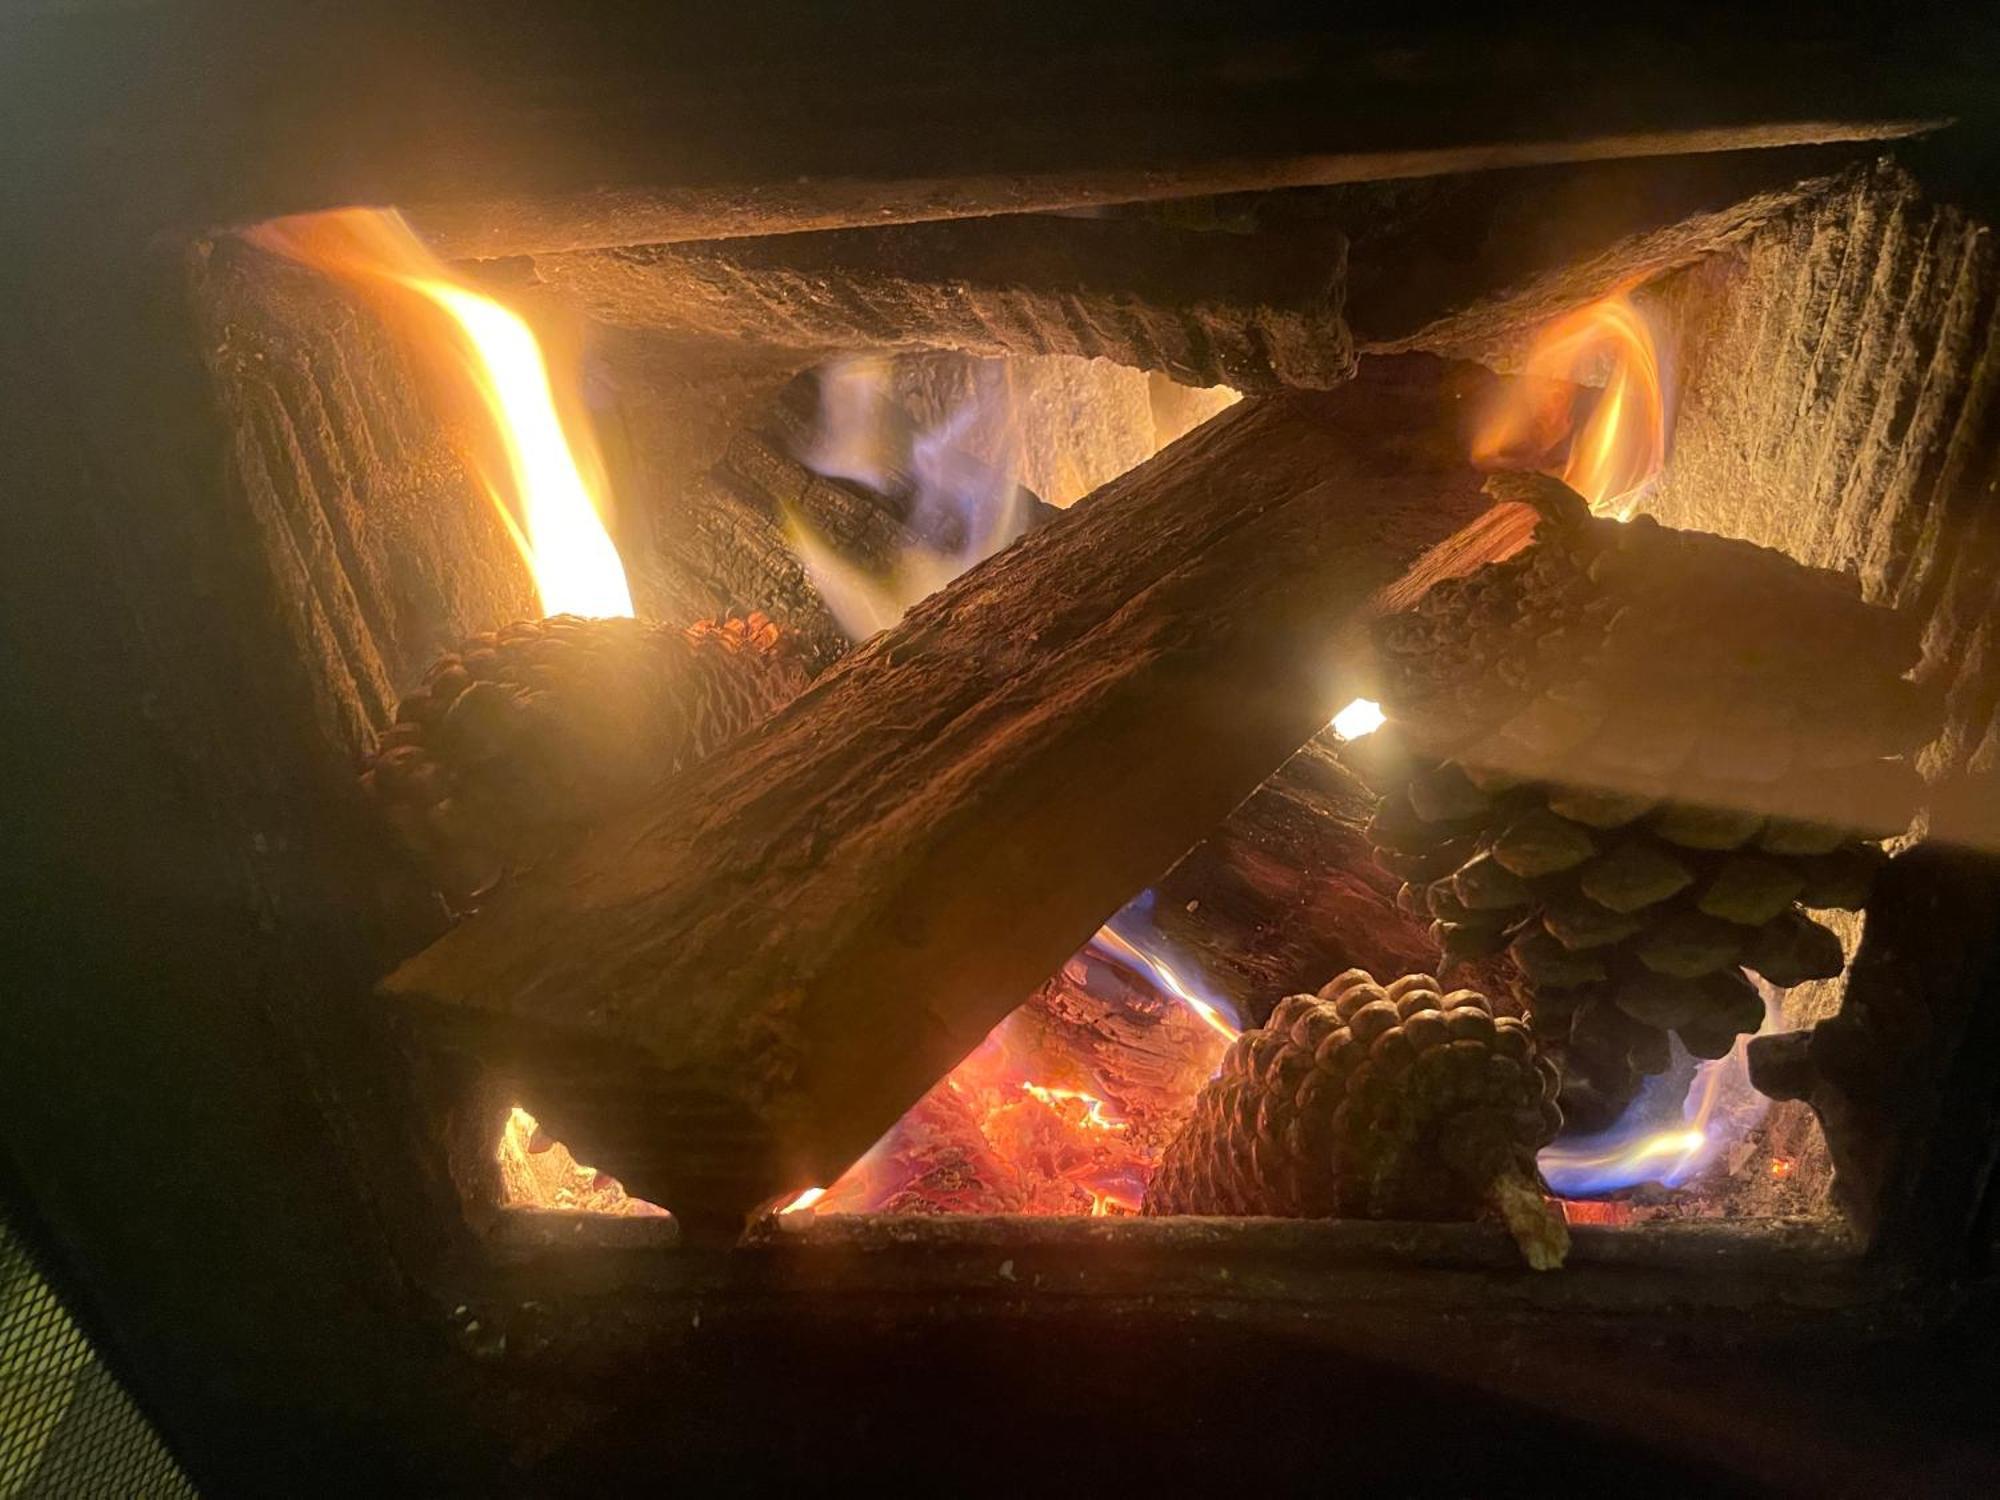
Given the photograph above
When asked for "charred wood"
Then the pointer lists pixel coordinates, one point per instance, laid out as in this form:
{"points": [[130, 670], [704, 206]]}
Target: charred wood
{"points": [[739, 987]]}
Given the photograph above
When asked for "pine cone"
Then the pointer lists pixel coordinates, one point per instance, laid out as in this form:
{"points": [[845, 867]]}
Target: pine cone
{"points": [[525, 735], [1630, 757], [1370, 1102]]}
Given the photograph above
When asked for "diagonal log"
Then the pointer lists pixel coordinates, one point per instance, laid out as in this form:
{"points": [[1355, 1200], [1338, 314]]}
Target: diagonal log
{"points": [[733, 991]]}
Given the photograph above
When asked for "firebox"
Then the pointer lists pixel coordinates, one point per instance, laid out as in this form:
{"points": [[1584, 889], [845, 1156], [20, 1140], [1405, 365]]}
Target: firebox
{"points": [[747, 750]]}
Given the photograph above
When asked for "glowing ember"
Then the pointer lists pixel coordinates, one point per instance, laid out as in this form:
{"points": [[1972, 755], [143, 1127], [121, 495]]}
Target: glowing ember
{"points": [[804, 1201], [1720, 1109], [1026, 1124], [1361, 717], [1091, 1116], [537, 1172], [1622, 445], [477, 348]]}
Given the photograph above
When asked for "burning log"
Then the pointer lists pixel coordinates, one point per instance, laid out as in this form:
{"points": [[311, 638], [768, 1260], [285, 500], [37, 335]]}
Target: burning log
{"points": [[1207, 309], [1378, 1102], [734, 991]]}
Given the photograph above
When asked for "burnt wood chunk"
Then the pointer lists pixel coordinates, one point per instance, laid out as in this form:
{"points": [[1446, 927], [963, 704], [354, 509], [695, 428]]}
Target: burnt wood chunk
{"points": [[731, 992], [1252, 311]]}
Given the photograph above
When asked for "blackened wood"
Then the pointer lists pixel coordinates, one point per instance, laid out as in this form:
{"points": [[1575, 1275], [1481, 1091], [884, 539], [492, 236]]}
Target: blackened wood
{"points": [[1254, 312], [734, 991], [1902, 1076]]}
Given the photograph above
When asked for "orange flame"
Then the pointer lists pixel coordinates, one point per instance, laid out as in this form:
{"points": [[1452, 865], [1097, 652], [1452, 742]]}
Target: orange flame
{"points": [[1622, 445], [538, 1172], [1089, 1116], [1028, 1124], [473, 345]]}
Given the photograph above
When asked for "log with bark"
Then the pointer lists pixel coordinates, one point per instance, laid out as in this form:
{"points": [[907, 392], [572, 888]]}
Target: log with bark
{"points": [[733, 991], [1256, 312], [1255, 290]]}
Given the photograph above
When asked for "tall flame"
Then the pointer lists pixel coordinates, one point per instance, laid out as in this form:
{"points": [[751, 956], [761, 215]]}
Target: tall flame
{"points": [[475, 346], [1622, 445]]}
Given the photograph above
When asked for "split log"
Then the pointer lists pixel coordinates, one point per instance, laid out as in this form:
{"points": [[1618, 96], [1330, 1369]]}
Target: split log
{"points": [[1256, 312], [734, 991]]}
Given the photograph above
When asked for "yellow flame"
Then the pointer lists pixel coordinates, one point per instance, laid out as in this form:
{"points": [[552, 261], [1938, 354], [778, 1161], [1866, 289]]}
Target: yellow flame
{"points": [[804, 1201], [550, 508], [1093, 1116], [536, 1172], [1361, 717], [1623, 444], [1163, 971]]}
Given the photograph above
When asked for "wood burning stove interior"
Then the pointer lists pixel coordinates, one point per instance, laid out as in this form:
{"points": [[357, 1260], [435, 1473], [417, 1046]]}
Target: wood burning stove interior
{"points": [[825, 428], [1068, 852]]}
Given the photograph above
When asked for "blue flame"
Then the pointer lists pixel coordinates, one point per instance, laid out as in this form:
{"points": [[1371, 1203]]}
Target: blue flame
{"points": [[956, 477], [1131, 939], [1648, 1144]]}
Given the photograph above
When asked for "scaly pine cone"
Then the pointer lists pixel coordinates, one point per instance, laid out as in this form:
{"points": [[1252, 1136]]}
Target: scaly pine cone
{"points": [[1631, 758], [526, 734], [1397, 1102]]}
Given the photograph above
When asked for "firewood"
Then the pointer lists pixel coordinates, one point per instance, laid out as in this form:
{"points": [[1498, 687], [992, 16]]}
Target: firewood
{"points": [[736, 989], [1256, 313]]}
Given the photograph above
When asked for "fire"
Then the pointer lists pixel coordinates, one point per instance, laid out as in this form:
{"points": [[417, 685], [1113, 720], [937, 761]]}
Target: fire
{"points": [[1361, 717], [1720, 1109], [1622, 445], [959, 477], [537, 1172], [475, 348], [1089, 1114], [1147, 960], [1024, 1125]]}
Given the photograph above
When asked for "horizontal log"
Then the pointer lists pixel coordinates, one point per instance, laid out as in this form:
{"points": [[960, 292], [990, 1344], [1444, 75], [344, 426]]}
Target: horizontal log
{"points": [[1255, 312], [1265, 290], [737, 989]]}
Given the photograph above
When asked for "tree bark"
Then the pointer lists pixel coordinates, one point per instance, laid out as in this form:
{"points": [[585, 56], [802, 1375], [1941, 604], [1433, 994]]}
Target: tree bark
{"points": [[1257, 312], [733, 991]]}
